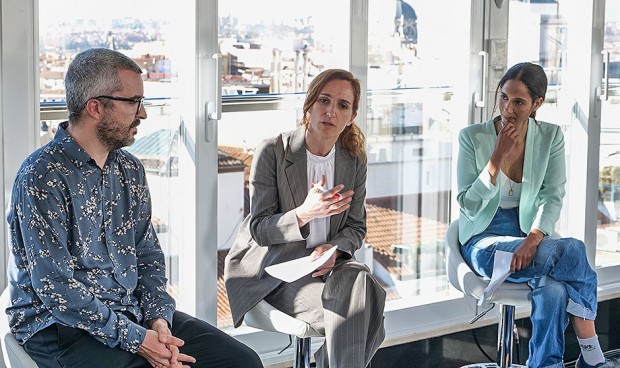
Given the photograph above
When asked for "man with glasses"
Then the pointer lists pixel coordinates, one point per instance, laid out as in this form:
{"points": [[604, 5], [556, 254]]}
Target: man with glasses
{"points": [[86, 272]]}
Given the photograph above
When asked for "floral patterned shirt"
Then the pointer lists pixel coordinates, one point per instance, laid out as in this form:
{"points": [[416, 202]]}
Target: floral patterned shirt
{"points": [[83, 250]]}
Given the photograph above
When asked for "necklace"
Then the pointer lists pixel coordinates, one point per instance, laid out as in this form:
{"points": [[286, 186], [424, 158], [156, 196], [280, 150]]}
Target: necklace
{"points": [[512, 184]]}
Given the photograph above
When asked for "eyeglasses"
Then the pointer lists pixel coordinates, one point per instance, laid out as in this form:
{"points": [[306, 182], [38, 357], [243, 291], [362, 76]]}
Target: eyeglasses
{"points": [[139, 101]]}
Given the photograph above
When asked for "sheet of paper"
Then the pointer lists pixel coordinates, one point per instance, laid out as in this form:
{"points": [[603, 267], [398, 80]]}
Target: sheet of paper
{"points": [[298, 268], [501, 270]]}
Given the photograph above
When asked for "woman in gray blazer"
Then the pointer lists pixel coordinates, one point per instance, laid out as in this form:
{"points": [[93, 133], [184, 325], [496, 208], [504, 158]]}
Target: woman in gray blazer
{"points": [[292, 216]]}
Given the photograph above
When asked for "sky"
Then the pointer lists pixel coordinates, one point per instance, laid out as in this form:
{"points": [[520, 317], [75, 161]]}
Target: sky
{"points": [[62, 10], [59, 9], [612, 11]]}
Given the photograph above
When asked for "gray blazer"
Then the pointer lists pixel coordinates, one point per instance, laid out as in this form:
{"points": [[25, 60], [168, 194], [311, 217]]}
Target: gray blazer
{"points": [[270, 233]]}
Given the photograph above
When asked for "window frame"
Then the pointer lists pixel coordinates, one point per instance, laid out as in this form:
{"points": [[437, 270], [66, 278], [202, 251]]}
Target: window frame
{"points": [[422, 321]]}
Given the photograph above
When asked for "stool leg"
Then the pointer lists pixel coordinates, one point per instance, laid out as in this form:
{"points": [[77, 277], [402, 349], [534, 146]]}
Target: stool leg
{"points": [[505, 335], [302, 352]]}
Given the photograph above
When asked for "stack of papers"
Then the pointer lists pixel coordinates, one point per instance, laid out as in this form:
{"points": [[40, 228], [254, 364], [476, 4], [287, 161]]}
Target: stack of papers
{"points": [[501, 270], [297, 268]]}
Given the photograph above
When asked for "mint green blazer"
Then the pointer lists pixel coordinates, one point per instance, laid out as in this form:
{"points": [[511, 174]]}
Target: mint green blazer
{"points": [[544, 179]]}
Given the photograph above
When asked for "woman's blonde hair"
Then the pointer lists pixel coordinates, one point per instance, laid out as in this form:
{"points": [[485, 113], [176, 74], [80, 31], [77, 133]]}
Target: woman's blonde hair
{"points": [[351, 138]]}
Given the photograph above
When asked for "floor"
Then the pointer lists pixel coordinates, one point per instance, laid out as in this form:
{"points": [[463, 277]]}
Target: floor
{"points": [[459, 349]]}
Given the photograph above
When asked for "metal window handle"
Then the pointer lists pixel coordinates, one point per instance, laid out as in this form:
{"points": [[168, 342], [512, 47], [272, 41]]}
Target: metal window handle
{"points": [[215, 112], [605, 95], [485, 71], [213, 109]]}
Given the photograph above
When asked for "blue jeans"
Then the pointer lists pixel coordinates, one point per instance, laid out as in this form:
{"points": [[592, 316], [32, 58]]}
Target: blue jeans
{"points": [[561, 279]]}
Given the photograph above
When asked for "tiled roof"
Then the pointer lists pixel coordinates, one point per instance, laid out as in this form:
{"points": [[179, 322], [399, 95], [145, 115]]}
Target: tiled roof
{"points": [[227, 163], [388, 228], [155, 149], [242, 154], [224, 317]]}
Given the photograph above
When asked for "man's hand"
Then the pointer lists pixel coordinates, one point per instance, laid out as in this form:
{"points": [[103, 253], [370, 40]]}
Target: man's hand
{"points": [[154, 351], [164, 351], [160, 326]]}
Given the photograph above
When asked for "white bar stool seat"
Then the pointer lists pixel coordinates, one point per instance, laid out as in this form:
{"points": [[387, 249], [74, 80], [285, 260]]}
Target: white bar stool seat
{"points": [[13, 354], [265, 317], [507, 296]]}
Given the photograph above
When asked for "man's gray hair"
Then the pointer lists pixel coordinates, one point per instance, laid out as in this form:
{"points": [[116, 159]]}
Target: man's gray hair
{"points": [[92, 73]]}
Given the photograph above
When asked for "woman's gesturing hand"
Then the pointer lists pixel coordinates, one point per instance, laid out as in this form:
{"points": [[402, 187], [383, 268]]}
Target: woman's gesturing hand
{"points": [[323, 203]]}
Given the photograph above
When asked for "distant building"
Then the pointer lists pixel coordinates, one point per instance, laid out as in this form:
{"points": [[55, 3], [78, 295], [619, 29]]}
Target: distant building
{"points": [[406, 24], [158, 153]]}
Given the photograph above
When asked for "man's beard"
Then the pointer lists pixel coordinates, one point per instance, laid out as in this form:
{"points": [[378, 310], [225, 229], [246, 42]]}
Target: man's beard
{"points": [[114, 135]]}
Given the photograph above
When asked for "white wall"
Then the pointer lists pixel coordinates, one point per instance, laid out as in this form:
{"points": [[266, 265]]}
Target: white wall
{"points": [[229, 207]]}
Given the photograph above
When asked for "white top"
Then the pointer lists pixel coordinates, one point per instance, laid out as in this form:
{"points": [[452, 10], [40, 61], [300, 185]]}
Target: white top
{"points": [[317, 167], [510, 192]]}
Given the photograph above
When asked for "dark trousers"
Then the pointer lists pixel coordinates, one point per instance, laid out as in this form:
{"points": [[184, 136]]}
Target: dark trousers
{"points": [[66, 347]]}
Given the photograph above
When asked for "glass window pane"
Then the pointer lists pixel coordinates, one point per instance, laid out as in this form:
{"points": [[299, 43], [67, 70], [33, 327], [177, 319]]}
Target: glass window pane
{"points": [[417, 83], [150, 37], [608, 231], [275, 52], [538, 33], [266, 52], [544, 22]]}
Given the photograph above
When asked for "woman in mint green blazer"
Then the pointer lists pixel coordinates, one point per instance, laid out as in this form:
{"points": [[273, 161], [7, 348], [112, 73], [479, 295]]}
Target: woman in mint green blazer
{"points": [[511, 179]]}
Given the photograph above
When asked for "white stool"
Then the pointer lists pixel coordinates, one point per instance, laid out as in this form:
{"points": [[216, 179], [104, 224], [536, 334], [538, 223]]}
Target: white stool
{"points": [[507, 296], [265, 317], [13, 354]]}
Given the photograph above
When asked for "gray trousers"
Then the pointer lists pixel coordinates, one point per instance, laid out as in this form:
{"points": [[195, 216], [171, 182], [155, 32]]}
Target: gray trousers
{"points": [[347, 306]]}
